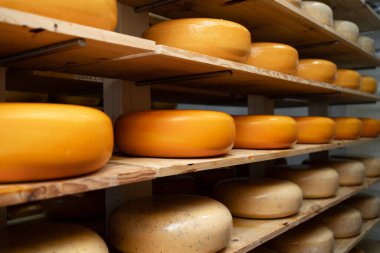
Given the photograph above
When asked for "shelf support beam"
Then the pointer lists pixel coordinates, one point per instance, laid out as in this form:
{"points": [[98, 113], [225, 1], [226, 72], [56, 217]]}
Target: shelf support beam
{"points": [[318, 108]]}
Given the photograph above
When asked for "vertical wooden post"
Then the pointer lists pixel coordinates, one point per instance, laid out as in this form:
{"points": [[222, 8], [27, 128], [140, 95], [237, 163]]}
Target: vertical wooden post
{"points": [[3, 210], [318, 108]]}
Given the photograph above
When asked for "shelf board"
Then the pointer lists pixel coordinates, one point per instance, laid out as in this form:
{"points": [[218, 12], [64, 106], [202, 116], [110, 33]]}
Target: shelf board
{"points": [[123, 170], [247, 234], [345, 245], [276, 21]]}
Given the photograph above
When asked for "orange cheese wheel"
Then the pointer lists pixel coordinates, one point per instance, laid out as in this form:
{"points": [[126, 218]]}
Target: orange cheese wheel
{"points": [[317, 70], [370, 128], [175, 133], [99, 13], [47, 141], [315, 130], [274, 56], [347, 128], [347, 29], [368, 205], [368, 84], [180, 184], [356, 250], [348, 78], [171, 223], [259, 198], [265, 132], [320, 12], [215, 37], [263, 249]]}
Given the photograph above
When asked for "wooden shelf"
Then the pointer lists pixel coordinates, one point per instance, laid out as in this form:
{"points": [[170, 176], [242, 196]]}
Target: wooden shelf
{"points": [[345, 245], [123, 170], [247, 234]]}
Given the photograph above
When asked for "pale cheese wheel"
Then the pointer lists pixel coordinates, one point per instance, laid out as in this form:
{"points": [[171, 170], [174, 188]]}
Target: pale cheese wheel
{"points": [[175, 133], [51, 237], [48, 141], [371, 127], [274, 56], [265, 132], [343, 221], [100, 13], [171, 223], [317, 70], [320, 12], [368, 205], [367, 44], [315, 181], [356, 250], [348, 78], [347, 29], [315, 130], [215, 37], [351, 173], [372, 164], [263, 249], [259, 198], [295, 2], [347, 128], [305, 238], [368, 84]]}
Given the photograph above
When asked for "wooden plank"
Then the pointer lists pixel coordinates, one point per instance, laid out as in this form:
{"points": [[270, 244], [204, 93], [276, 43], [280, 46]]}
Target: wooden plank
{"points": [[247, 234]]}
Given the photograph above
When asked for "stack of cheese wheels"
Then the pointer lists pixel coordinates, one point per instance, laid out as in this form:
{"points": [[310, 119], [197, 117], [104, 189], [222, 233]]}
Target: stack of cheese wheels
{"points": [[259, 198], [265, 132], [351, 173], [215, 37], [175, 133], [348, 78], [368, 205], [347, 29], [51, 237], [263, 249], [317, 70], [370, 128], [295, 2], [82, 12], [347, 128], [180, 184], [356, 250], [370, 246], [305, 238], [315, 181], [48, 141], [372, 164], [343, 221], [368, 84], [171, 223], [315, 130], [321, 12], [274, 56], [207, 179], [367, 44]]}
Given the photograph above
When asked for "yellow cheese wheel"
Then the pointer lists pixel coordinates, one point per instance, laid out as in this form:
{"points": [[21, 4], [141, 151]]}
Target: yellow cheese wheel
{"points": [[315, 181], [180, 184], [367, 44], [51, 237], [343, 221], [47, 141], [18, 96], [259, 198], [265, 132], [356, 250], [274, 56], [263, 249], [305, 238], [350, 172], [315, 130], [371, 127], [368, 84], [175, 133], [215, 37], [347, 29], [317, 70], [320, 12], [368, 205], [172, 223], [347, 128], [348, 78], [97, 13]]}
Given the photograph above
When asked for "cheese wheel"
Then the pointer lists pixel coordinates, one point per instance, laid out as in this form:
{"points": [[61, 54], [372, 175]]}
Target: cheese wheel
{"points": [[368, 205], [343, 221], [367, 44], [305, 238], [175, 133], [48, 141], [347, 128], [259, 198], [356, 250], [348, 78], [314, 181], [317, 70], [371, 164], [274, 56], [295, 2], [100, 13], [215, 37], [320, 12], [368, 84], [347, 29], [315, 130], [18, 96], [265, 132], [350, 172], [370, 127], [180, 184], [172, 223], [263, 249], [51, 237]]}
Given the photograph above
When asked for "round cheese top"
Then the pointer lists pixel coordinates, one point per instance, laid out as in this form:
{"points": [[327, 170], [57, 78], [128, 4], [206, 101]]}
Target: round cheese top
{"points": [[348, 78], [315, 130], [320, 12], [317, 70], [347, 128], [368, 205], [368, 84]]}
